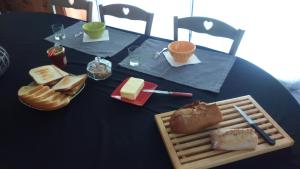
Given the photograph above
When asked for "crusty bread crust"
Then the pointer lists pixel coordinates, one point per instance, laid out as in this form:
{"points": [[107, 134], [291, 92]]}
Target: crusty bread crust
{"points": [[195, 117]]}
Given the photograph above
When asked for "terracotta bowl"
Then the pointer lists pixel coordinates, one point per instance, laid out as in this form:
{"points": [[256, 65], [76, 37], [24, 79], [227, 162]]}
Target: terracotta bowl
{"points": [[181, 51]]}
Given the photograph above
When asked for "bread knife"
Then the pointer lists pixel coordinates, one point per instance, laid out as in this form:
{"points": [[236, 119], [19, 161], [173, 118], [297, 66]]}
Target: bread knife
{"points": [[264, 135], [169, 93]]}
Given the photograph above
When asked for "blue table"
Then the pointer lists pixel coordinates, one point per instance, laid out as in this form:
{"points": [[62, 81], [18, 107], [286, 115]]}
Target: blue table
{"points": [[96, 131]]}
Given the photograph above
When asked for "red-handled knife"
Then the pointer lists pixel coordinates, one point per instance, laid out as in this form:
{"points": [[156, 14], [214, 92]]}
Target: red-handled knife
{"points": [[169, 93]]}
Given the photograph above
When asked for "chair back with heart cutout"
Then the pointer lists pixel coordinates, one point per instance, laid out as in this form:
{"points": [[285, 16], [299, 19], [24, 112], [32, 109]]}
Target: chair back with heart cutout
{"points": [[129, 12], [75, 4], [210, 26]]}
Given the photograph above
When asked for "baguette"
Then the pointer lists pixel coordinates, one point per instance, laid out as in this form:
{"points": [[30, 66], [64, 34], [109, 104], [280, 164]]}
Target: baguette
{"points": [[195, 117], [234, 139]]}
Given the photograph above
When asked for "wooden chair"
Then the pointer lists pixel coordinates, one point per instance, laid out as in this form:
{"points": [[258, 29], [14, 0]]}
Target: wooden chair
{"points": [[129, 12], [77, 4], [210, 26]]}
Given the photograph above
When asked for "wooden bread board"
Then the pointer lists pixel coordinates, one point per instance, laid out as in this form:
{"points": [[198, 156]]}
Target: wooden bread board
{"points": [[194, 151]]}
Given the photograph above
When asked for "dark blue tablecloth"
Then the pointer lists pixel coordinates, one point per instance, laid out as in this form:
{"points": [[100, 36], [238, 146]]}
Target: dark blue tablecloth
{"points": [[96, 131]]}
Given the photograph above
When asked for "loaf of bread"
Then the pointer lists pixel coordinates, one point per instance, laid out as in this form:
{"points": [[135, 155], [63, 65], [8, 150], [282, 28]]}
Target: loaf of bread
{"points": [[234, 139], [195, 117]]}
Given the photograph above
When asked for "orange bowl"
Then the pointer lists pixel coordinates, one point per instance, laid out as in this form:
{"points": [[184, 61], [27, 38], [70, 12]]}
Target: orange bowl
{"points": [[181, 51]]}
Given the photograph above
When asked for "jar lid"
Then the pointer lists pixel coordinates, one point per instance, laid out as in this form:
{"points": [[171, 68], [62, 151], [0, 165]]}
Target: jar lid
{"points": [[55, 50], [101, 60]]}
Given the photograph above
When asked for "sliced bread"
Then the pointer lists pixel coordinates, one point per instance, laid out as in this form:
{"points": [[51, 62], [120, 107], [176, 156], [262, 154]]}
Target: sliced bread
{"points": [[69, 82], [63, 73], [74, 90], [25, 91], [43, 98], [46, 74], [58, 100]]}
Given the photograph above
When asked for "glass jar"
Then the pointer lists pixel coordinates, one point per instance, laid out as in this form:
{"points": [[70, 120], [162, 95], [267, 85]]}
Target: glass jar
{"points": [[99, 69], [57, 56]]}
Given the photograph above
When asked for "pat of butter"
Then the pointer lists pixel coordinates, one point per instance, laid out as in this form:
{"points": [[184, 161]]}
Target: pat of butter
{"points": [[132, 88]]}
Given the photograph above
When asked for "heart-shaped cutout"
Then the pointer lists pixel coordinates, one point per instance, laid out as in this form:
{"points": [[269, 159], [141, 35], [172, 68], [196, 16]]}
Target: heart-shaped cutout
{"points": [[208, 25], [126, 11], [71, 2]]}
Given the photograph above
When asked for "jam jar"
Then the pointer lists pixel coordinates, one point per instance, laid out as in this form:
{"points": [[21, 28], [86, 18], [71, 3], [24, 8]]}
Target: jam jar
{"points": [[57, 56], [99, 69]]}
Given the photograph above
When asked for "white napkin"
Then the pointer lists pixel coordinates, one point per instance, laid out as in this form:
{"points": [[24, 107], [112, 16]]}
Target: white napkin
{"points": [[192, 60], [104, 37]]}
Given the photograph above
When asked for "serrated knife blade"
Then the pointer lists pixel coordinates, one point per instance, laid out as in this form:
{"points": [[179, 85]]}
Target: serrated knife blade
{"points": [[260, 131]]}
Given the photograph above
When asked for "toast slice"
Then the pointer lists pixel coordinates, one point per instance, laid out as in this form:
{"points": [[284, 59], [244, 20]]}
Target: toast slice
{"points": [[56, 101], [42, 97], [74, 90], [63, 73], [26, 91], [69, 82], [46, 74], [41, 94]]}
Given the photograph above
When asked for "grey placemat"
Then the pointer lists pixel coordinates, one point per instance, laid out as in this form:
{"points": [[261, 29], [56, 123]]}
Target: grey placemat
{"points": [[118, 40], [207, 75]]}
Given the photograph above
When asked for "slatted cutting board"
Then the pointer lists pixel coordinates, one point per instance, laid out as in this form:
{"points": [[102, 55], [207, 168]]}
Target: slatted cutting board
{"points": [[194, 151]]}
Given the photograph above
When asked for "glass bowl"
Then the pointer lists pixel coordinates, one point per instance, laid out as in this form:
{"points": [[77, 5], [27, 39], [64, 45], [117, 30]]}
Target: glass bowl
{"points": [[99, 69]]}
